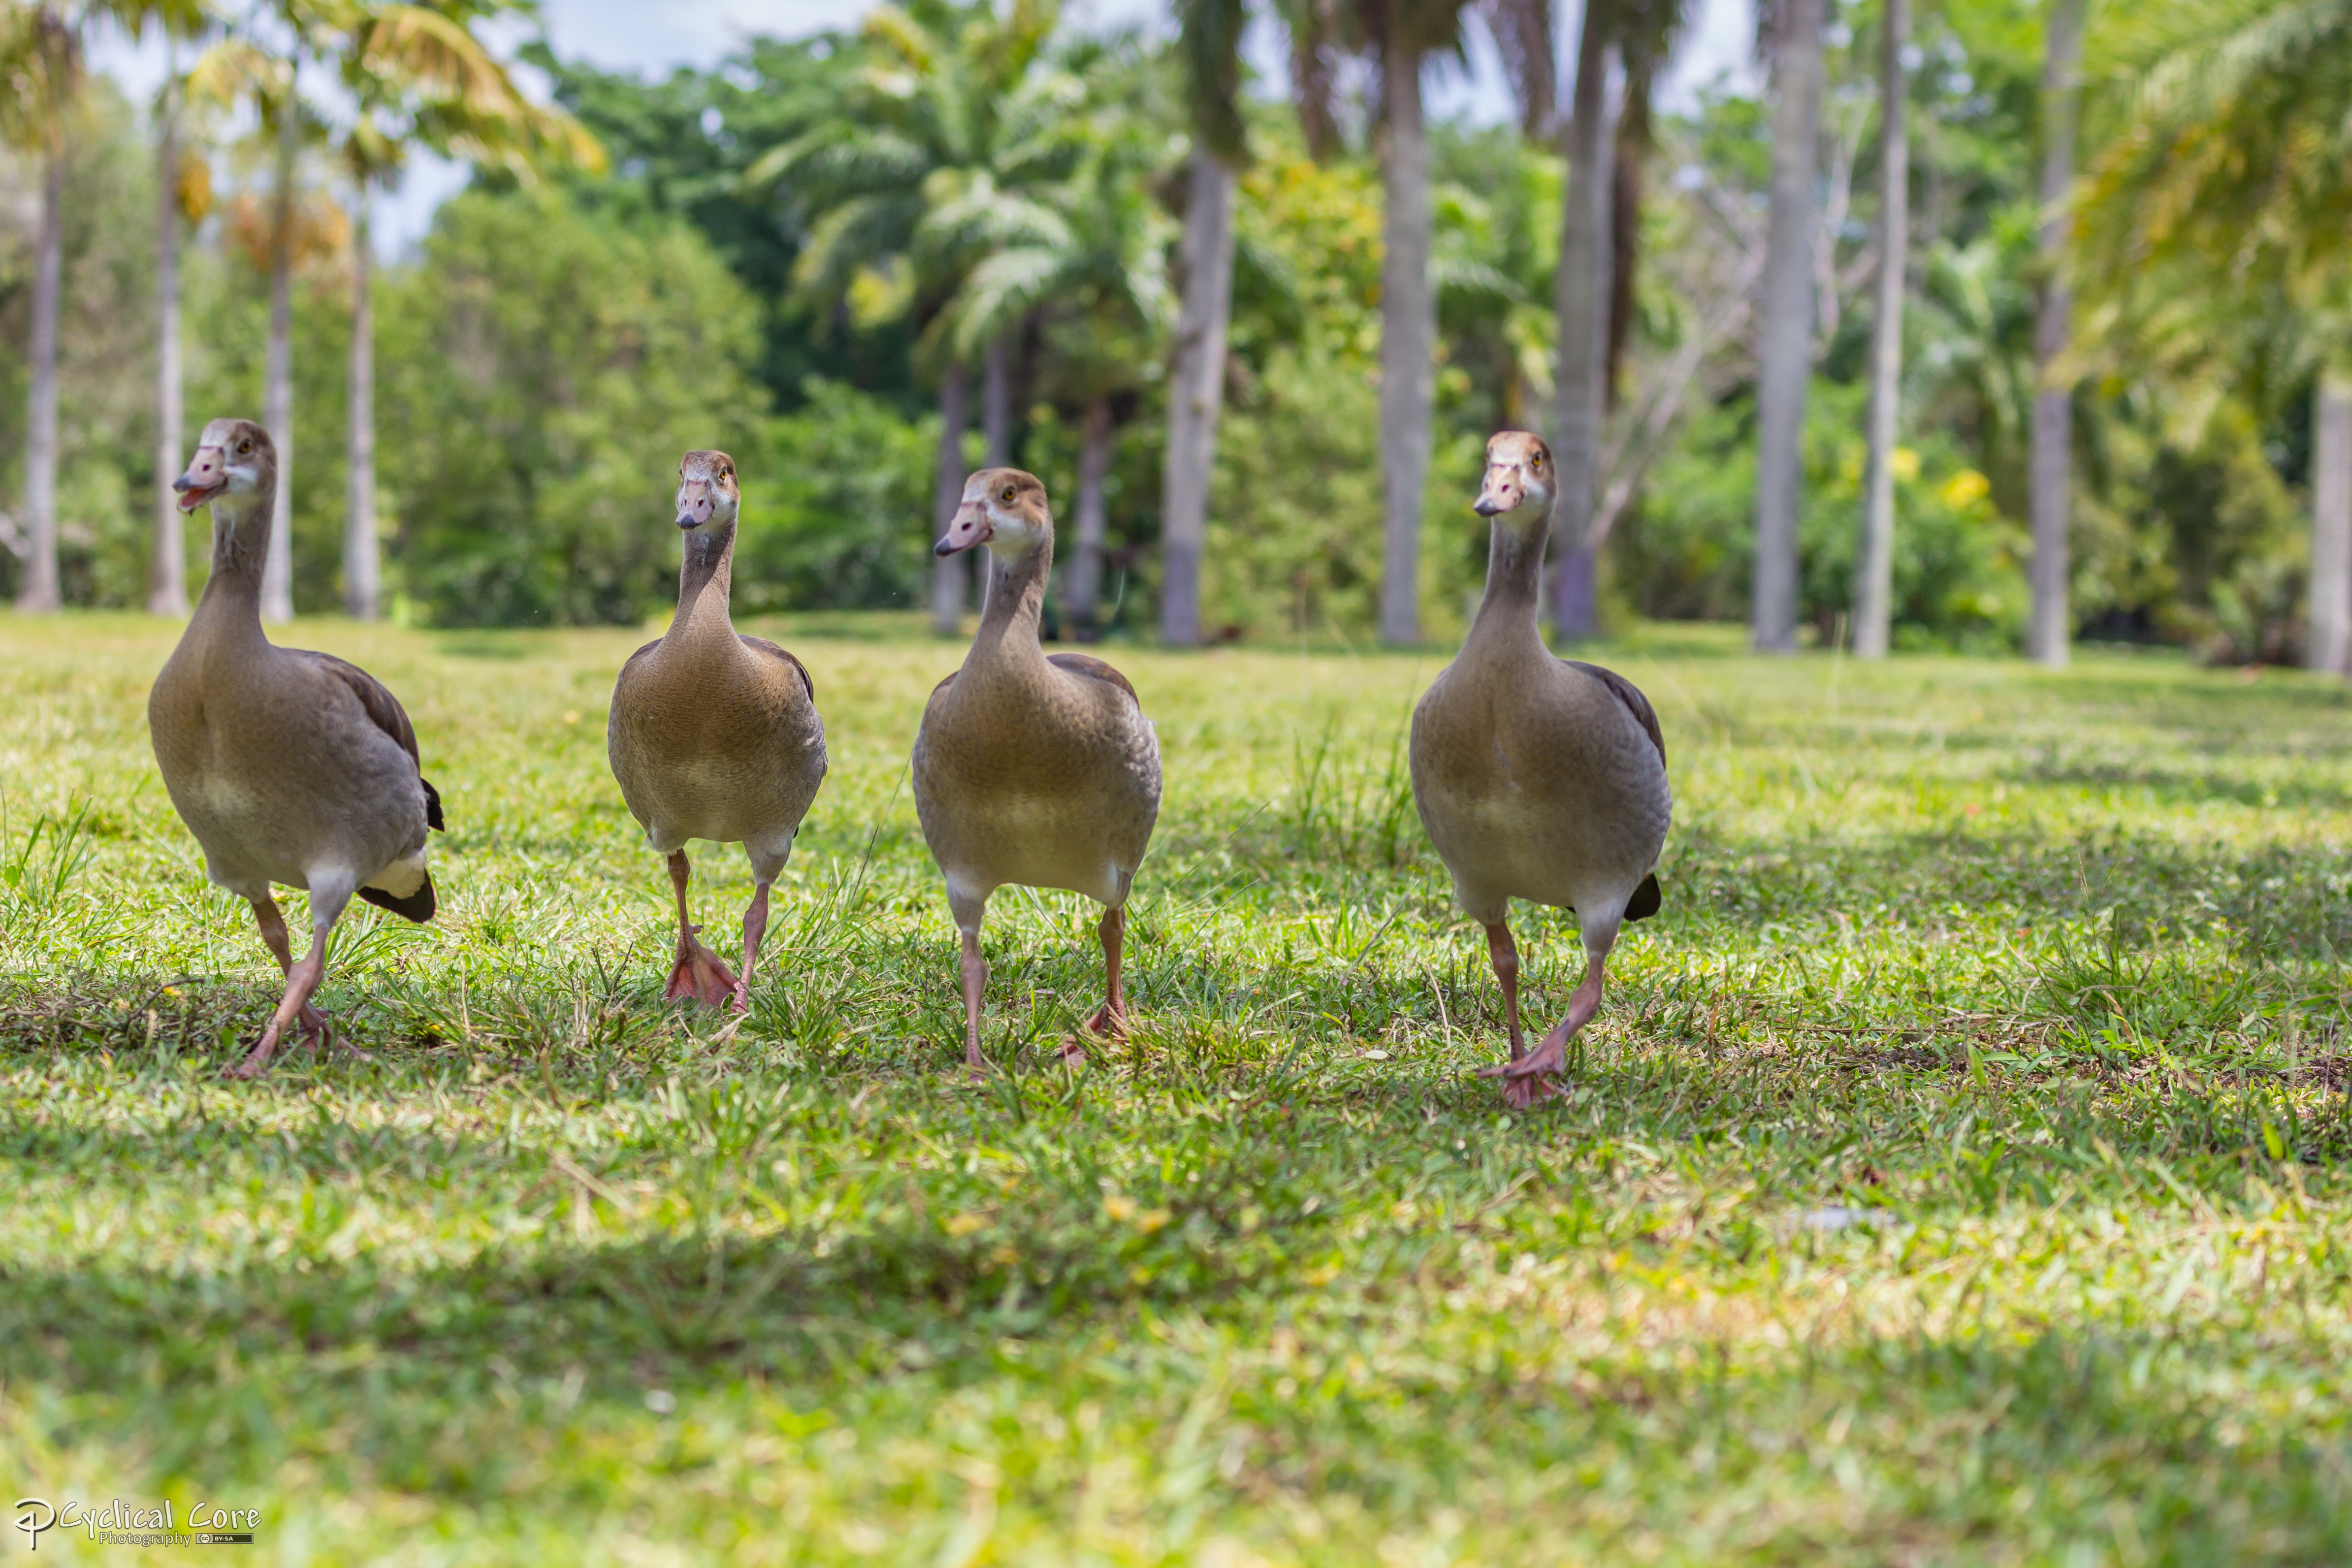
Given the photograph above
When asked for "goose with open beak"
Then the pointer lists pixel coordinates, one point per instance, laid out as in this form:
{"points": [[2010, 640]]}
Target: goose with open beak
{"points": [[290, 767]]}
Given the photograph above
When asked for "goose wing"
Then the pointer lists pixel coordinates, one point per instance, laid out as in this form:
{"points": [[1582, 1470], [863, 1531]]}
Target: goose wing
{"points": [[775, 651], [1629, 694], [383, 711]]}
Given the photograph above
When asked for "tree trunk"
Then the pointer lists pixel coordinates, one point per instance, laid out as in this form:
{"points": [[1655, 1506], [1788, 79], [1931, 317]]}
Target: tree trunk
{"points": [[996, 403], [2051, 627], [1874, 610], [360, 551], [1095, 442], [1195, 396], [947, 572], [38, 590], [1580, 296], [2330, 646], [1785, 342], [1408, 328], [278, 388], [167, 564]]}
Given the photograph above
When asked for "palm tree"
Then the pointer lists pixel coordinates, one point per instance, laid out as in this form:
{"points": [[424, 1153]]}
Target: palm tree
{"points": [[1397, 37], [42, 49], [959, 118], [1785, 340], [1094, 289], [242, 68], [1210, 35], [1600, 229], [2049, 624], [1875, 567], [2229, 181], [418, 75], [167, 565]]}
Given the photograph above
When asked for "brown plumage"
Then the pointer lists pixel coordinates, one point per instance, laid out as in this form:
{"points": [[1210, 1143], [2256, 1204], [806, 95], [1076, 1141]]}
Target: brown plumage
{"points": [[1537, 778], [1030, 769], [714, 735], [290, 767]]}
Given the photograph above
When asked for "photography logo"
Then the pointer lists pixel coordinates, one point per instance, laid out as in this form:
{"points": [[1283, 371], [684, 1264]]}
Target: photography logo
{"points": [[34, 1516], [120, 1524]]}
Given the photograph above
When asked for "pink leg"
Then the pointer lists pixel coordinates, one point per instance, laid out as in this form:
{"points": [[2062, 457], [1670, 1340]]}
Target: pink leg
{"points": [[1528, 1079], [1109, 1020], [301, 978], [755, 926], [975, 987], [317, 1031], [698, 974], [1505, 955]]}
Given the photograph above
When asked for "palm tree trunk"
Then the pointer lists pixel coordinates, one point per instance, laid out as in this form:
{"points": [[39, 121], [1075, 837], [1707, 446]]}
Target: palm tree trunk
{"points": [[277, 387], [1195, 396], [1408, 327], [38, 591], [2330, 646], [996, 403], [1094, 518], [360, 552], [1580, 296], [167, 565], [947, 572], [2050, 629], [1784, 350], [1874, 611]]}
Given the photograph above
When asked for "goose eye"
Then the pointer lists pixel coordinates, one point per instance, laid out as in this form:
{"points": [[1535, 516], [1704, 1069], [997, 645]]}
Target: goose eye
{"points": [[1007, 496], [244, 447]]}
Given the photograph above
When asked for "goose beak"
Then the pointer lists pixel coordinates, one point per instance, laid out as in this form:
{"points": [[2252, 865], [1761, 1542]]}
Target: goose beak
{"points": [[695, 503], [207, 477], [1502, 492], [970, 526]]}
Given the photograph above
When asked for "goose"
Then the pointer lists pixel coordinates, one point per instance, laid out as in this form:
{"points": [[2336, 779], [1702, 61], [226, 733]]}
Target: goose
{"points": [[714, 735], [1537, 778], [1029, 769], [288, 767]]}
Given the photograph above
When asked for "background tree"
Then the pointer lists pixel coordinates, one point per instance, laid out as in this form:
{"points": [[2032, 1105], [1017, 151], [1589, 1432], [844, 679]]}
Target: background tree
{"points": [[1208, 36], [1874, 605], [1600, 236], [955, 120], [1785, 336], [2226, 180], [1095, 295], [418, 75], [266, 78], [2050, 633], [42, 47]]}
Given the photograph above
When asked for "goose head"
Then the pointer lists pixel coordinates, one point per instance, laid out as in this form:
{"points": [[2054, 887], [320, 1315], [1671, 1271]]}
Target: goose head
{"points": [[1519, 483], [235, 462], [707, 499], [1002, 508]]}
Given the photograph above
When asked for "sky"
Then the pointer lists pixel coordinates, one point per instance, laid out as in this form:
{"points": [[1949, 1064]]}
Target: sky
{"points": [[651, 39]]}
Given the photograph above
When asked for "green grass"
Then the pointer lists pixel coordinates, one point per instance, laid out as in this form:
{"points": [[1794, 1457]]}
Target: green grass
{"points": [[1955, 1173]]}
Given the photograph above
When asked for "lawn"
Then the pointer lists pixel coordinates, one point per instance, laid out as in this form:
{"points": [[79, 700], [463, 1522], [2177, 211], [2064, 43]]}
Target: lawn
{"points": [[1955, 1173]]}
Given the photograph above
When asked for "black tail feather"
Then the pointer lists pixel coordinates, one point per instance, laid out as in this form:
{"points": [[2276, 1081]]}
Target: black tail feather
{"points": [[432, 806], [417, 906], [1645, 900]]}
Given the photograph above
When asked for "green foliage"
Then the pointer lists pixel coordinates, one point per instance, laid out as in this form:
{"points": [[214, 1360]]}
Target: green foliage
{"points": [[835, 505], [541, 372], [1958, 559]]}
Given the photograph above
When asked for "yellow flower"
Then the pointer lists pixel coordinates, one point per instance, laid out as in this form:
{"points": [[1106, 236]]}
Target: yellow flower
{"points": [[1965, 488]]}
